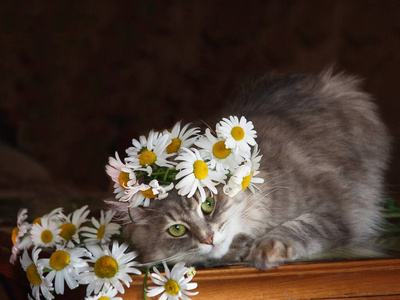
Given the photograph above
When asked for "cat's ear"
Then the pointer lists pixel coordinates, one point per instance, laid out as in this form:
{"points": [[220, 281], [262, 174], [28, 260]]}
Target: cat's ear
{"points": [[127, 214]]}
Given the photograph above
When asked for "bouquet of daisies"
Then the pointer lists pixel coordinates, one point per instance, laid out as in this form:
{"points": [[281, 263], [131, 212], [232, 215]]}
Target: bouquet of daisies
{"points": [[58, 250], [190, 162]]}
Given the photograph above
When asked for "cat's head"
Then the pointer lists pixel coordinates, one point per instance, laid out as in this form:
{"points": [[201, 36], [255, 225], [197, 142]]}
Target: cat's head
{"points": [[184, 229]]}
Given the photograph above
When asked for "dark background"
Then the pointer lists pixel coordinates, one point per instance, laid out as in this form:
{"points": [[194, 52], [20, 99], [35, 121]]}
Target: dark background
{"points": [[80, 79]]}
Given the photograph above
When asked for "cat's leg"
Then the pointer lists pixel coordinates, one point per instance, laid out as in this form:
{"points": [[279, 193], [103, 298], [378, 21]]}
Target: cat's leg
{"points": [[239, 249], [305, 235]]}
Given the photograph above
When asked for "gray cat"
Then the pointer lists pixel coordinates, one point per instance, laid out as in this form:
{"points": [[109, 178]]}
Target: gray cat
{"points": [[324, 153]]}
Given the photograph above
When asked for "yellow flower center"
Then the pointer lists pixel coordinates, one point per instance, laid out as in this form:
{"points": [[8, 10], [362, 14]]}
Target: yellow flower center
{"points": [[106, 267], [47, 236], [100, 232], [33, 275], [171, 287], [147, 158], [148, 193], [245, 182], [38, 220], [59, 260], [14, 234], [220, 151], [123, 179], [200, 169], [237, 133], [104, 298], [174, 146], [67, 231]]}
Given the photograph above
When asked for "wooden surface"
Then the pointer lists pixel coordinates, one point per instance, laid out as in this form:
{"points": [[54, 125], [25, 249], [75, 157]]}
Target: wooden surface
{"points": [[379, 279]]}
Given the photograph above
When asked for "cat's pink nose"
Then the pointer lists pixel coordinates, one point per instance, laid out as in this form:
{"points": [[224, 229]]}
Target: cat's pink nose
{"points": [[208, 240]]}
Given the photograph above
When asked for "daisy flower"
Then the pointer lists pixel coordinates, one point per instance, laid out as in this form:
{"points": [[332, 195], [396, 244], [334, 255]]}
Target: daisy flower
{"points": [[244, 176], [110, 267], [123, 177], [195, 174], [55, 215], [22, 227], [143, 143], [151, 191], [14, 254], [238, 181], [239, 134], [109, 294], [65, 264], [174, 285], [181, 137], [19, 236], [103, 230], [39, 284], [72, 226], [154, 152], [255, 159], [191, 272], [221, 157], [45, 234]]}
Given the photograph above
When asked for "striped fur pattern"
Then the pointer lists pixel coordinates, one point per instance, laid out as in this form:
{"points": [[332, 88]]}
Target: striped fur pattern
{"points": [[324, 150]]}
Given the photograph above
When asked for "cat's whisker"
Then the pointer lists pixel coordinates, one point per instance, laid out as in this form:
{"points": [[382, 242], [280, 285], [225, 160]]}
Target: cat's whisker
{"points": [[176, 257], [243, 210], [272, 179]]}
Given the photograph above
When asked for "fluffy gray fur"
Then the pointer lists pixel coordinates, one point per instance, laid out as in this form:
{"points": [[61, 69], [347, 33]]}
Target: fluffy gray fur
{"points": [[324, 154]]}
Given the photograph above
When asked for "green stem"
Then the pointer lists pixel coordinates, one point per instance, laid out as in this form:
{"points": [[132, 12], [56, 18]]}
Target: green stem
{"points": [[146, 275], [141, 174], [392, 215], [158, 173], [166, 175]]}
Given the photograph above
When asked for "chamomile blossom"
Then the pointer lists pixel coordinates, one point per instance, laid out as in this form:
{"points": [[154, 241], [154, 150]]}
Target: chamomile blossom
{"points": [[45, 234], [221, 157], [174, 285], [239, 181], [65, 264], [14, 254], [153, 152], [143, 143], [146, 192], [19, 235], [191, 272], [195, 174], [255, 159], [244, 176], [181, 137], [103, 229], [109, 294], [123, 177], [22, 226], [39, 284], [55, 215], [110, 268], [239, 134], [71, 228]]}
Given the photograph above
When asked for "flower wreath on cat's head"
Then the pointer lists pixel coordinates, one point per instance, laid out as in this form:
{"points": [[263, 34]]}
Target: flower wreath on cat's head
{"points": [[165, 160]]}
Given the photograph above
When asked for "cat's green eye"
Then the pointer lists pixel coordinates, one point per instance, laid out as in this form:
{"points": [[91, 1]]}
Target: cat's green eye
{"points": [[208, 205], [177, 230]]}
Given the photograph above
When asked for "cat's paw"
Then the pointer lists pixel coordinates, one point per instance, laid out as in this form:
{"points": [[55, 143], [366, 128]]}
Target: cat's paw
{"points": [[239, 248], [270, 252]]}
